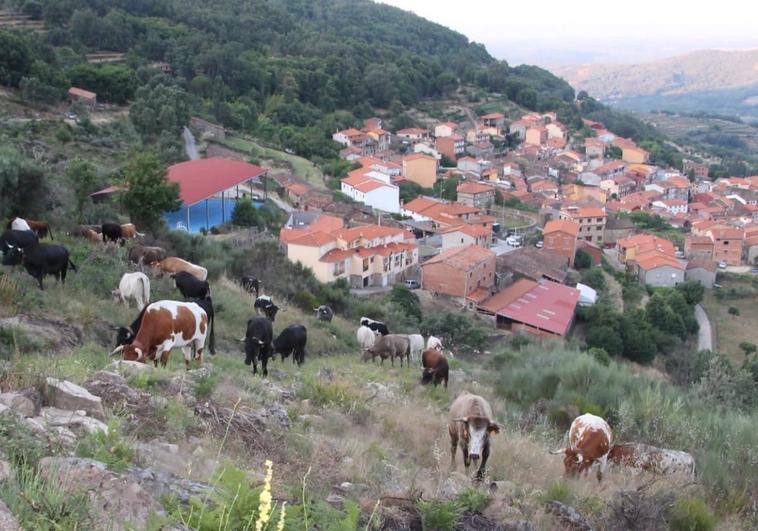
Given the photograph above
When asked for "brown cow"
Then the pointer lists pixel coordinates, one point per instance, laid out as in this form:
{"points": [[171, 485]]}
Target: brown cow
{"points": [[172, 264], [470, 423], [129, 231], [651, 459], [167, 325], [435, 366], [589, 444], [142, 254], [86, 232], [42, 228], [390, 346]]}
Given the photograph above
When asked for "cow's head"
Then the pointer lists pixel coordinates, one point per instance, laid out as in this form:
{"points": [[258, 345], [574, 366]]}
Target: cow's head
{"points": [[116, 294], [477, 430], [130, 352], [271, 312], [253, 348], [12, 255], [427, 376], [573, 461], [124, 335]]}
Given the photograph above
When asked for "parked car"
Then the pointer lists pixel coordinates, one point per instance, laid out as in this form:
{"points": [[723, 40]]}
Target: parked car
{"points": [[540, 244], [513, 241], [412, 284], [679, 254], [722, 264]]}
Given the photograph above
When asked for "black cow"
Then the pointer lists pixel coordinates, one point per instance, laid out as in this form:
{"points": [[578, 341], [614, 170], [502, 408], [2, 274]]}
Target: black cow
{"points": [[17, 238], [250, 283], [126, 334], [206, 303], [190, 287], [112, 232], [40, 260], [292, 340], [258, 343], [324, 313], [266, 306], [376, 326]]}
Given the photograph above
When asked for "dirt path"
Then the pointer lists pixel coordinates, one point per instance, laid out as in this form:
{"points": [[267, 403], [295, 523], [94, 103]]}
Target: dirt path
{"points": [[704, 336]]}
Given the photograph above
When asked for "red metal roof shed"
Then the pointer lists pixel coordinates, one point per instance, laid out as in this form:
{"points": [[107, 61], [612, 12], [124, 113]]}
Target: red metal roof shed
{"points": [[547, 306], [203, 178]]}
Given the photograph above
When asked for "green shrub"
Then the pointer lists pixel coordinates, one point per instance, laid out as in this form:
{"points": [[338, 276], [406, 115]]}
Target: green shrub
{"points": [[691, 514], [558, 491], [109, 448], [205, 385], [473, 501], [600, 355], [438, 515], [23, 448], [582, 260]]}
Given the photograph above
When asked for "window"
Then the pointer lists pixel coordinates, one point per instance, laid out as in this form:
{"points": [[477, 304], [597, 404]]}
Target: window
{"points": [[365, 264]]}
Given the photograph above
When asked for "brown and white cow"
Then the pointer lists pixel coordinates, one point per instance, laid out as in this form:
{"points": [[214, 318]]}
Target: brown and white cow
{"points": [[436, 368], [172, 264], [390, 346], [589, 444], [167, 325], [129, 231], [470, 424], [651, 459]]}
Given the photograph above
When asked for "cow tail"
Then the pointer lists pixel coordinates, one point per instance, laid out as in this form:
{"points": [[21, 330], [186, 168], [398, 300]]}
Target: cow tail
{"points": [[212, 339], [71, 264]]}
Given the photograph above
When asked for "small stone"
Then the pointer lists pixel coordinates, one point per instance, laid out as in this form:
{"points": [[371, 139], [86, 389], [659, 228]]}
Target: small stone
{"points": [[128, 368], [66, 395], [51, 416], [19, 403], [335, 500], [158, 402], [5, 471]]}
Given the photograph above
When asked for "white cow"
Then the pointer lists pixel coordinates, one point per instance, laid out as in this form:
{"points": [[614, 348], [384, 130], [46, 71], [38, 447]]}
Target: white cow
{"points": [[434, 343], [366, 337], [20, 224], [651, 459], [417, 345], [136, 286]]}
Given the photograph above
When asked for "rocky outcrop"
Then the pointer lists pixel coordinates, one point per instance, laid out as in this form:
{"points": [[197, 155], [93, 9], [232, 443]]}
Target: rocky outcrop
{"points": [[51, 333], [21, 402], [66, 395], [568, 517], [8, 522], [114, 391], [78, 421], [116, 502]]}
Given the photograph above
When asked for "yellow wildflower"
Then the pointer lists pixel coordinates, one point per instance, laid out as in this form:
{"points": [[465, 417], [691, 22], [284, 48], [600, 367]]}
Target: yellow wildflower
{"points": [[264, 504], [280, 525]]}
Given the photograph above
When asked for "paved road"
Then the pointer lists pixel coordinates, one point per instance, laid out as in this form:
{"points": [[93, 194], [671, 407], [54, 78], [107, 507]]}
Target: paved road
{"points": [[704, 336]]}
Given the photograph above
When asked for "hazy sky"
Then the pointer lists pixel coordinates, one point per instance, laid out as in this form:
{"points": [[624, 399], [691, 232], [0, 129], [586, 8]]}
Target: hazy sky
{"points": [[552, 32]]}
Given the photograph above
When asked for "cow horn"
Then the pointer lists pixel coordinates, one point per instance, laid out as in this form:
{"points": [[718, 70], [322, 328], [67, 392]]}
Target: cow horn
{"points": [[261, 343], [242, 339], [556, 452], [139, 353], [460, 419], [117, 350]]}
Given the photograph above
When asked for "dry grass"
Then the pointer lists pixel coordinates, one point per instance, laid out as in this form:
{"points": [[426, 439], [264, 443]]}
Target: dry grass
{"points": [[730, 330]]}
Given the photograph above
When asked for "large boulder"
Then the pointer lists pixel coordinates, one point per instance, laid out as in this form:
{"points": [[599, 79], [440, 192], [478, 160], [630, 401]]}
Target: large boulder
{"points": [[66, 395], [48, 333], [161, 483], [116, 502], [114, 389], [128, 368], [78, 421], [20, 403], [567, 517], [8, 522]]}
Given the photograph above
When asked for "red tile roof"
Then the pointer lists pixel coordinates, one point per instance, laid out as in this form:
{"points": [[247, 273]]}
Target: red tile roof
{"points": [[203, 178], [473, 188], [561, 225], [312, 239], [81, 93], [463, 258], [369, 185]]}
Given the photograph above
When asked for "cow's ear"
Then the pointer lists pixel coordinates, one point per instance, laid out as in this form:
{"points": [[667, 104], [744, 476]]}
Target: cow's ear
{"points": [[494, 427]]}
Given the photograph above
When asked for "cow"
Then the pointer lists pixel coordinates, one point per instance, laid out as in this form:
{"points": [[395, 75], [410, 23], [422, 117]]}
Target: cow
{"points": [[142, 254], [190, 287], [206, 303], [126, 334], [84, 231], [112, 232], [366, 338], [390, 346], [17, 238], [129, 232], [589, 442], [470, 424], [417, 345], [19, 224], [258, 343], [377, 326], [42, 228], [172, 264], [265, 305], [651, 459], [136, 286], [249, 283], [435, 366], [292, 340], [324, 313], [434, 343], [167, 325], [41, 259]]}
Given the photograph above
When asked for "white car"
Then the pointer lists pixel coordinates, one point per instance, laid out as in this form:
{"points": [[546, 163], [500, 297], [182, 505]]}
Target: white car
{"points": [[540, 244], [722, 264], [513, 241]]}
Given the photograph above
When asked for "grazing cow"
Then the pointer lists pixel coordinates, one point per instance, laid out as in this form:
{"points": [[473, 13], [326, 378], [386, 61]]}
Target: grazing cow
{"points": [[129, 231], [167, 325], [292, 340], [390, 346], [589, 444], [435, 366], [265, 305], [142, 254], [19, 224], [366, 337], [126, 334], [258, 343], [324, 313], [434, 343], [17, 238], [41, 259], [172, 264], [651, 459], [249, 283], [417, 345], [42, 228], [112, 232], [136, 286], [376, 326], [190, 287], [206, 303], [84, 231], [470, 423]]}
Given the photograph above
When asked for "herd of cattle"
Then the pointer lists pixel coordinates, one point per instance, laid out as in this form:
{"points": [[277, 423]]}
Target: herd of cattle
{"points": [[167, 324]]}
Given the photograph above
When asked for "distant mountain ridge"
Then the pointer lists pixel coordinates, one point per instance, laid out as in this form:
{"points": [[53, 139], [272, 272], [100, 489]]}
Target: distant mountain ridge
{"points": [[664, 82]]}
